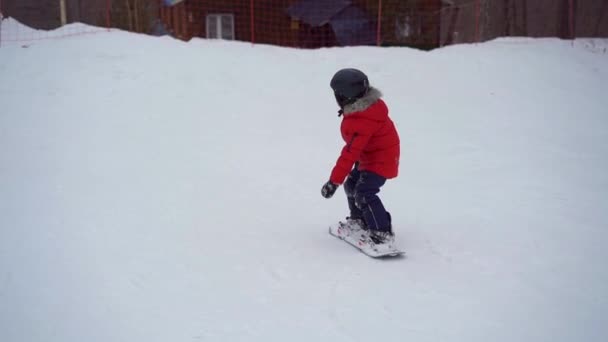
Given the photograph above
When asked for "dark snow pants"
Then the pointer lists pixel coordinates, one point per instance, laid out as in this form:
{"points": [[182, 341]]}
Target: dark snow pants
{"points": [[362, 188]]}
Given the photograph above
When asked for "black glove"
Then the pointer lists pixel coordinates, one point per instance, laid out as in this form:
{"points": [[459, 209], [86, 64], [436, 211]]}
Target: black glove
{"points": [[328, 189]]}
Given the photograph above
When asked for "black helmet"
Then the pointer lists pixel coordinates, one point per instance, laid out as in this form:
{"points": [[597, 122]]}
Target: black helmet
{"points": [[349, 85]]}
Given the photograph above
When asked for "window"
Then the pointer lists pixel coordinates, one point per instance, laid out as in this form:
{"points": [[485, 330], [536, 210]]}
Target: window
{"points": [[220, 26]]}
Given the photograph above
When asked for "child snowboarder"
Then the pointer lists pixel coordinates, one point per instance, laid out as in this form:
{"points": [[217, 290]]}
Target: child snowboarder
{"points": [[370, 156]]}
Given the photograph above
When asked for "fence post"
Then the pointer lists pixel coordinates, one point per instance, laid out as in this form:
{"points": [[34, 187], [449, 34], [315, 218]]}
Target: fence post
{"points": [[251, 9], [62, 12], [379, 29]]}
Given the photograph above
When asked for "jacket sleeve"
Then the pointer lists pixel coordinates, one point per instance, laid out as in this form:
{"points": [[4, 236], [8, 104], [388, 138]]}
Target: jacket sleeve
{"points": [[356, 140]]}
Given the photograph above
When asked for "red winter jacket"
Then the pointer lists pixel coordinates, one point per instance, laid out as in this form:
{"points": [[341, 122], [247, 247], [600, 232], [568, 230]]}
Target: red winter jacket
{"points": [[371, 139]]}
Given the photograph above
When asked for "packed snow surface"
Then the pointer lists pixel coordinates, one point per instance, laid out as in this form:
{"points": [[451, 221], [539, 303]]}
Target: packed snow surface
{"points": [[158, 190]]}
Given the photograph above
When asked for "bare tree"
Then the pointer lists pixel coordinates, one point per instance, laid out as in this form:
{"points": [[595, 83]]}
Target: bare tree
{"points": [[601, 18], [485, 20], [129, 15], [137, 15]]}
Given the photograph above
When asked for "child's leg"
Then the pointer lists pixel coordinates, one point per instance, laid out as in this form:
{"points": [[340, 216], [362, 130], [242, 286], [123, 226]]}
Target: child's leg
{"points": [[349, 187], [369, 203]]}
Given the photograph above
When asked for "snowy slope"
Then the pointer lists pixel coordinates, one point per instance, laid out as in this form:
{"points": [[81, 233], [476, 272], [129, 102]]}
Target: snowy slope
{"points": [[156, 190], [12, 32]]}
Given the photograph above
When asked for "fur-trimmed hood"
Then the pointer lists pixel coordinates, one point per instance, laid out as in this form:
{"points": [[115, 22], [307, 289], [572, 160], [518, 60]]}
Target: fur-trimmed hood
{"points": [[372, 96]]}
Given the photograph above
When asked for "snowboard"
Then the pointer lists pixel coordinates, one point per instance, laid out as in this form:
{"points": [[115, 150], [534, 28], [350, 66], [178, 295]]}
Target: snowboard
{"points": [[359, 239]]}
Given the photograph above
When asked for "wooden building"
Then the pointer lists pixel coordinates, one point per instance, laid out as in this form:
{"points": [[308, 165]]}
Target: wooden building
{"points": [[309, 23], [423, 24]]}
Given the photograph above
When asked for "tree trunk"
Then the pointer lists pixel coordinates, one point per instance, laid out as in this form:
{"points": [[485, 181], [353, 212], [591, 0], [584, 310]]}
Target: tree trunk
{"points": [[599, 20], [137, 16], [129, 15], [525, 17]]}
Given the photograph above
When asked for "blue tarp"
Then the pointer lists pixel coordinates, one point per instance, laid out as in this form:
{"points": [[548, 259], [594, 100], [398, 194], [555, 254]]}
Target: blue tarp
{"points": [[351, 25], [171, 2], [316, 12]]}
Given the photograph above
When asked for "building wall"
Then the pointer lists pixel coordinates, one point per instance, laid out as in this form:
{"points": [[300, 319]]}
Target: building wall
{"points": [[418, 23], [176, 20], [271, 25]]}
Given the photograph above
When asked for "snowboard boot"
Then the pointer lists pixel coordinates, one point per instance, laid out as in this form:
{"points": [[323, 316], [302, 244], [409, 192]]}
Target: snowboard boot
{"points": [[353, 227], [382, 237], [354, 224]]}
